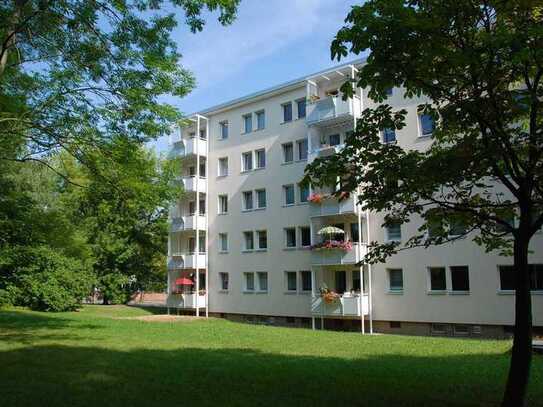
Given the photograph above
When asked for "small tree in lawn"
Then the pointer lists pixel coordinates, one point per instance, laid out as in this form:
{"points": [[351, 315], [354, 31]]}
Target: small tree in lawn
{"points": [[481, 65]]}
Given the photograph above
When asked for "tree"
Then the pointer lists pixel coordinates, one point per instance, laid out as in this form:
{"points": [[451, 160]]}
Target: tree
{"points": [[481, 66], [74, 74]]}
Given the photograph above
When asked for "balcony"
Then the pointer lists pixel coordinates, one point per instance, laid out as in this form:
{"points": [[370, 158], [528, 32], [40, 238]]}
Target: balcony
{"points": [[186, 300], [337, 257], [333, 110], [181, 261], [183, 223], [191, 183], [332, 206], [324, 151], [188, 147], [347, 305]]}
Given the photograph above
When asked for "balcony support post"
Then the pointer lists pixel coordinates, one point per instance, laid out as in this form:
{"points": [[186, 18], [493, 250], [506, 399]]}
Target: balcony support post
{"points": [[197, 243]]}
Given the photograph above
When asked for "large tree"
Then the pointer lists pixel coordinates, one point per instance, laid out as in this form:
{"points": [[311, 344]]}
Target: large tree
{"points": [[480, 64], [74, 74]]}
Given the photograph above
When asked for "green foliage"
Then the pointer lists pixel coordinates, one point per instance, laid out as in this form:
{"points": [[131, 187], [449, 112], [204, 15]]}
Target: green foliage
{"points": [[44, 280], [115, 288]]}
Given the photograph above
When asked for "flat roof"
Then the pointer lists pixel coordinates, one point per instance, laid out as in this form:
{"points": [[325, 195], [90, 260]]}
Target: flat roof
{"points": [[274, 89]]}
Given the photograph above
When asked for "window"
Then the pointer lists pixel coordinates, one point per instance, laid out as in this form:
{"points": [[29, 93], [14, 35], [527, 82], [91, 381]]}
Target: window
{"points": [[300, 104], [202, 207], [246, 161], [288, 153], [192, 208], [427, 125], [395, 324], [335, 139], [262, 237], [439, 329], [302, 149], [223, 167], [223, 278], [248, 239], [287, 112], [354, 232], [394, 232], [457, 228], [460, 278], [389, 135], [461, 330], [203, 135], [223, 130], [260, 198], [203, 170], [435, 228], [247, 123], [356, 280], [223, 204], [260, 120], [341, 281], [249, 281], [247, 200], [305, 232], [395, 280], [288, 191], [306, 280], [507, 277], [291, 281], [192, 170], [260, 158], [438, 280], [304, 192], [262, 281], [290, 237], [223, 242]]}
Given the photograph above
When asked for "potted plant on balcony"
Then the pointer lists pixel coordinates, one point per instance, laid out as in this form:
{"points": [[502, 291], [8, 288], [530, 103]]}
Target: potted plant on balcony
{"points": [[345, 246], [327, 295], [316, 198]]}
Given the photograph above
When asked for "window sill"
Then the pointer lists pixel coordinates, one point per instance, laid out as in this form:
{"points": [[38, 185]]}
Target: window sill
{"points": [[223, 251], [305, 292], [261, 250], [262, 292], [304, 247], [395, 292], [285, 122], [222, 213], [458, 292], [289, 248], [247, 251], [512, 292], [424, 136], [222, 176], [259, 168], [393, 240], [303, 160], [223, 291], [288, 205], [290, 292], [436, 292], [287, 162], [303, 203], [246, 210], [246, 171], [260, 209], [248, 292]]}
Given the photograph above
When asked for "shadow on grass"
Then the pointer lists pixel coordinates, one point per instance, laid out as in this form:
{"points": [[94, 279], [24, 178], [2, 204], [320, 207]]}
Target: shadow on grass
{"points": [[87, 376]]}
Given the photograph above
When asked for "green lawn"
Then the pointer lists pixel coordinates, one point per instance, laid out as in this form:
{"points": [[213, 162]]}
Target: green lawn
{"points": [[89, 358]]}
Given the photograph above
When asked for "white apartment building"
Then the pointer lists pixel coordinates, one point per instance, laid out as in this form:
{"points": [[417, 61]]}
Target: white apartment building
{"points": [[247, 240]]}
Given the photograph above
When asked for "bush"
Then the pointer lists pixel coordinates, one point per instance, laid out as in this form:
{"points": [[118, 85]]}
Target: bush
{"points": [[115, 288], [45, 280]]}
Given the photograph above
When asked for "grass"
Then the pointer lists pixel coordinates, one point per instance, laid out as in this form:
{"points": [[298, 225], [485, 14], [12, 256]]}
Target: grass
{"points": [[91, 358]]}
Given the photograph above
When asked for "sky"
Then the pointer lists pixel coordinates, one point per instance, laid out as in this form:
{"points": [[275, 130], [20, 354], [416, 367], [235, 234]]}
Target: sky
{"points": [[270, 42]]}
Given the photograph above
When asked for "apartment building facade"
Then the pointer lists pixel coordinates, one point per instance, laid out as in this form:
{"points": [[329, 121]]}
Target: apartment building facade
{"points": [[248, 241]]}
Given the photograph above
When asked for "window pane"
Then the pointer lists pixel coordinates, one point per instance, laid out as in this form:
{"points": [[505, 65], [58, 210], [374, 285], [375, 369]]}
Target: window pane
{"points": [[291, 237], [288, 152], [396, 279], [306, 280], [302, 149], [223, 166], [247, 161], [260, 120], [438, 280], [335, 139], [249, 244], [301, 108], [536, 281], [261, 198], [287, 112], [389, 135], [341, 281], [457, 229], [426, 124], [291, 281], [248, 123], [223, 204], [354, 232], [263, 281], [202, 207], [224, 281], [356, 280], [394, 232], [507, 278], [260, 159], [262, 239], [289, 194], [224, 130], [304, 192], [223, 242], [460, 278], [249, 281], [306, 236], [248, 200]]}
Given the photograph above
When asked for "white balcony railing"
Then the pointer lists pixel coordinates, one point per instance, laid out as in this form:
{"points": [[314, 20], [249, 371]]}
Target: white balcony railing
{"points": [[180, 261], [332, 108], [331, 206], [189, 301], [188, 147], [324, 151], [191, 183], [332, 257], [346, 305], [182, 223]]}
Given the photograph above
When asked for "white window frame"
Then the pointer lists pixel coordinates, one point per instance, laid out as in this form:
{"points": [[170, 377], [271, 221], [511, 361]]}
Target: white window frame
{"points": [[257, 113], [419, 126], [283, 153], [259, 288], [221, 249], [258, 248], [285, 233], [223, 123], [283, 105], [285, 187], [222, 159], [297, 101], [301, 285], [452, 290], [300, 228], [298, 150], [429, 280], [244, 234], [244, 202], [257, 206], [286, 274], [256, 164], [219, 199], [221, 281], [243, 155], [390, 289], [388, 238], [243, 121], [300, 202], [245, 285]]}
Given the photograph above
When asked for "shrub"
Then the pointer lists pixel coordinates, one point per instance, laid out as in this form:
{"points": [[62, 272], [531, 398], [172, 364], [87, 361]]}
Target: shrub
{"points": [[115, 288]]}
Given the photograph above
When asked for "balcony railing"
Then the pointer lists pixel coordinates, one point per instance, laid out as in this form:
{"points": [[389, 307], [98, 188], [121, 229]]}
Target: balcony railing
{"points": [[345, 305], [188, 301], [324, 151], [332, 257], [188, 147], [182, 223], [180, 261], [191, 183], [332, 206], [332, 109]]}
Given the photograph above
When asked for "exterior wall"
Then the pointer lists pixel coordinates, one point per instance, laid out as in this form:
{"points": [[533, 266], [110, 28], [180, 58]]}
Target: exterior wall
{"points": [[415, 307]]}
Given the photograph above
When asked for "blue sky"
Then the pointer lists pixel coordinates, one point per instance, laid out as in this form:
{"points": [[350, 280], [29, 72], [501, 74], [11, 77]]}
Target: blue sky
{"points": [[271, 41]]}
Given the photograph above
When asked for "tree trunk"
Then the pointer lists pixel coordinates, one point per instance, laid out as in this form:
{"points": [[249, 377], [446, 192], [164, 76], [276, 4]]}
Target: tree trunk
{"points": [[521, 356]]}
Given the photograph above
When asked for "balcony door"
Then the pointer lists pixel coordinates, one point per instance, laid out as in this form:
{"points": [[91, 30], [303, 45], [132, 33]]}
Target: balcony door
{"points": [[341, 281]]}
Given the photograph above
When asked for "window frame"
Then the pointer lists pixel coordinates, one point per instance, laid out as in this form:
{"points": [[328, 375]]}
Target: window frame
{"points": [[243, 162], [246, 288], [223, 125], [284, 111], [286, 241], [259, 287], [221, 235], [247, 119], [284, 155], [256, 163], [245, 234], [390, 288], [388, 238], [298, 101], [287, 281], [286, 188], [302, 289], [299, 143], [420, 126], [244, 195], [224, 287], [258, 235], [220, 197], [432, 290], [219, 161], [302, 228], [258, 114], [257, 191], [452, 289]]}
